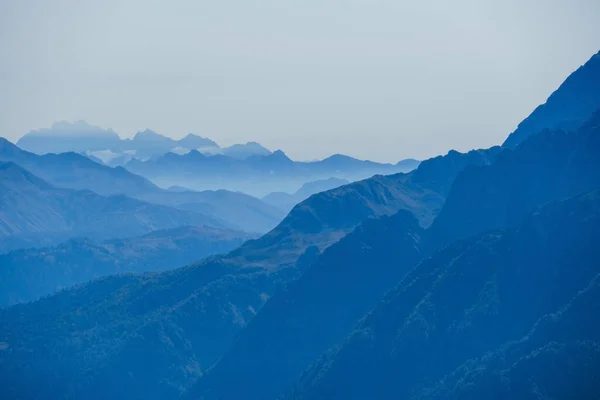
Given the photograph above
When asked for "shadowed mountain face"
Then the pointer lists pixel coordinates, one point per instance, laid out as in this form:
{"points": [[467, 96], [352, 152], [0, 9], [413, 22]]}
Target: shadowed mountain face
{"points": [[73, 171], [32, 273], [567, 108], [35, 213], [296, 326], [484, 294]]}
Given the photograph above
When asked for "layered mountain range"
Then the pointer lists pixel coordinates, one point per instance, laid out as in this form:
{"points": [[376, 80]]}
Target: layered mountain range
{"points": [[475, 275], [199, 163], [74, 171]]}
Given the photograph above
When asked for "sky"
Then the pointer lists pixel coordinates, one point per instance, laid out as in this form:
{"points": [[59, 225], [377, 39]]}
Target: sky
{"points": [[375, 79]]}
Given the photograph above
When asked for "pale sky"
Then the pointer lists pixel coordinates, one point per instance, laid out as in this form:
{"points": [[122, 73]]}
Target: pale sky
{"points": [[375, 79]]}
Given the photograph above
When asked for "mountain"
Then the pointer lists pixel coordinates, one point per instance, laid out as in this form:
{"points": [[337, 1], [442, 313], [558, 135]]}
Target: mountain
{"points": [[80, 137], [297, 325], [546, 166], [29, 274], [568, 107], [243, 151], [35, 213], [193, 141], [189, 316], [74, 171], [300, 322], [237, 209], [258, 175], [64, 137], [285, 201], [471, 297], [409, 164], [501, 314]]}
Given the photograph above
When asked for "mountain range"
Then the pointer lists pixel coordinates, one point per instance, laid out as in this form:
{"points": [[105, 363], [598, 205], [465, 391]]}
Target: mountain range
{"points": [[74, 171], [257, 175], [35, 213], [286, 201], [28, 274], [475, 275]]}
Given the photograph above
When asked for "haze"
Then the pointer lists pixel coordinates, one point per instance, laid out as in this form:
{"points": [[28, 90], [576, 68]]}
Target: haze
{"points": [[381, 80]]}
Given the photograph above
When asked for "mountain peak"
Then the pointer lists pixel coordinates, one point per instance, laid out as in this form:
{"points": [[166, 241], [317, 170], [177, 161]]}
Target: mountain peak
{"points": [[193, 141], [567, 108], [148, 134]]}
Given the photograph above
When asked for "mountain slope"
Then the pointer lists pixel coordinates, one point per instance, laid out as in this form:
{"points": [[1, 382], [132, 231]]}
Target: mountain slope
{"points": [[191, 315], [74, 171], [473, 297], [34, 213], [567, 108], [257, 174], [270, 353], [549, 165], [32, 273], [285, 201], [315, 311]]}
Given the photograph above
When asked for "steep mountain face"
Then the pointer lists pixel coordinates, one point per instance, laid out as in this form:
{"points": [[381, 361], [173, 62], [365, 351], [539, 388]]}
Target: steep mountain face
{"points": [[285, 201], [478, 296], [312, 313], [318, 322], [73, 171], [567, 108], [549, 165], [29, 274], [35, 213]]}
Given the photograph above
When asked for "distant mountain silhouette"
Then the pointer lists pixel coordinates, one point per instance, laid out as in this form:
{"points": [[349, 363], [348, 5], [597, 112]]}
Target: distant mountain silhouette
{"points": [[256, 174], [32, 273], [80, 137], [285, 201], [36, 213], [567, 108], [74, 171], [63, 137]]}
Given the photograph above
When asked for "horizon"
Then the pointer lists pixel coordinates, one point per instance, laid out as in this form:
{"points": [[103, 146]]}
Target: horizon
{"points": [[381, 82]]}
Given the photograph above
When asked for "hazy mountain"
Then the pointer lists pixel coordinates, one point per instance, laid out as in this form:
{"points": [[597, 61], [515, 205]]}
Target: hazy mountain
{"points": [[74, 171], [36, 213], [408, 163], [568, 107], [63, 137], [32, 273], [536, 283], [80, 137], [258, 175], [193, 141], [243, 151], [285, 201]]}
